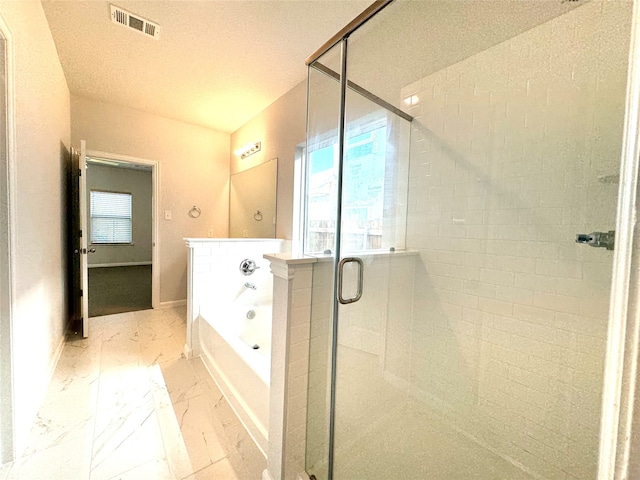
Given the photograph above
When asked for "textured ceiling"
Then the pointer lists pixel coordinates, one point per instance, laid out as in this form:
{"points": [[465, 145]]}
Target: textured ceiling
{"points": [[216, 63]]}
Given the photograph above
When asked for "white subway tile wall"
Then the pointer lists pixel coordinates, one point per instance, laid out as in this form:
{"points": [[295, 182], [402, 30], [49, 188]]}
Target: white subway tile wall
{"points": [[216, 276], [317, 452], [297, 375], [515, 151]]}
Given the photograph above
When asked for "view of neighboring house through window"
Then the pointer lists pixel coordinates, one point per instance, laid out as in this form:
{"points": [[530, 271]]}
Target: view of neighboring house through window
{"points": [[110, 217], [363, 192]]}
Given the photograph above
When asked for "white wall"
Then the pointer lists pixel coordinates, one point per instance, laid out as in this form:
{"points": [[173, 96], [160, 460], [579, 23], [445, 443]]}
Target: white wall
{"points": [[6, 413], [139, 184], [42, 156], [194, 170], [281, 128]]}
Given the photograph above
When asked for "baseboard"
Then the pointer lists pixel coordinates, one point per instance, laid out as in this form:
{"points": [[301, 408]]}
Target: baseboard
{"points": [[58, 354], [120, 264], [173, 303]]}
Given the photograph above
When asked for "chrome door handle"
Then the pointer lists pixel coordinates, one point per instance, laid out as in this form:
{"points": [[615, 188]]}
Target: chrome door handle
{"points": [[92, 250], [343, 262]]}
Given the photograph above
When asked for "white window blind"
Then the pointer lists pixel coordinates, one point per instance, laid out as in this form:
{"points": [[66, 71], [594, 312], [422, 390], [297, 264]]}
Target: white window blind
{"points": [[110, 217]]}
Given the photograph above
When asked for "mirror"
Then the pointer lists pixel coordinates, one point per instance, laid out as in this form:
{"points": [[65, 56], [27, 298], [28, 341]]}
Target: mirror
{"points": [[252, 202]]}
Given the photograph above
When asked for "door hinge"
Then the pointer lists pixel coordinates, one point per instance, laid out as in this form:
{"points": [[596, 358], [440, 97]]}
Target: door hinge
{"points": [[81, 293], [80, 233], [80, 172]]}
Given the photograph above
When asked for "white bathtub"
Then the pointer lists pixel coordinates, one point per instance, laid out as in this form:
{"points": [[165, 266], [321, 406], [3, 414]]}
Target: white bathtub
{"points": [[218, 328], [240, 370], [252, 324]]}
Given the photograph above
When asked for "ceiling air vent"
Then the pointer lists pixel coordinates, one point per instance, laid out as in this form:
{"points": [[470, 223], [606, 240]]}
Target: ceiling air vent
{"points": [[122, 17]]}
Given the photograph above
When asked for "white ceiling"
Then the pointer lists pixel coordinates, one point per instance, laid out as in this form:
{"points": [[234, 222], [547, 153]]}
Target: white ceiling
{"points": [[216, 63]]}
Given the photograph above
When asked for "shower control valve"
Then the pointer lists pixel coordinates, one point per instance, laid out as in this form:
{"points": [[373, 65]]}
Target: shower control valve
{"points": [[598, 239], [248, 266]]}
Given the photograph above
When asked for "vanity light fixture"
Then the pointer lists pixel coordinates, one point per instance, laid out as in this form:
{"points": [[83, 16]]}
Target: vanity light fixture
{"points": [[248, 149]]}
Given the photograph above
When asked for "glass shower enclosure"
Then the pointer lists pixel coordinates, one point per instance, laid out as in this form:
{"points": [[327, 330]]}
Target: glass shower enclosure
{"points": [[455, 150]]}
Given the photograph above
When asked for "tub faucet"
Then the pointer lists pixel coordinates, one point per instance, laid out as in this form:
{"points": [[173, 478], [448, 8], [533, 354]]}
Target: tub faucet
{"points": [[248, 266], [250, 285]]}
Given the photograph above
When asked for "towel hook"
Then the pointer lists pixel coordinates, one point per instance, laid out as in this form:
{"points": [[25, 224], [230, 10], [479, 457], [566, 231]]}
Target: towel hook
{"points": [[257, 216], [194, 212]]}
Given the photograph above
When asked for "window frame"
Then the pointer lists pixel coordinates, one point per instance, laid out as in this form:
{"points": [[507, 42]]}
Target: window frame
{"points": [[90, 223]]}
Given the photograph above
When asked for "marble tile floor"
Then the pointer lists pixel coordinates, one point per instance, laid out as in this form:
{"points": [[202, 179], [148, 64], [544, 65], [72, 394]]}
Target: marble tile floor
{"points": [[125, 404]]}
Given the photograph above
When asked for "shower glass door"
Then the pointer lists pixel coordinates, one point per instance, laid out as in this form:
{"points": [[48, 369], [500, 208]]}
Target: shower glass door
{"points": [[477, 346], [373, 271], [321, 213], [355, 222]]}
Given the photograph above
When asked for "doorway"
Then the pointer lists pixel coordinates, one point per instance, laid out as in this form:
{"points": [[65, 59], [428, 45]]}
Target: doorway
{"points": [[121, 229]]}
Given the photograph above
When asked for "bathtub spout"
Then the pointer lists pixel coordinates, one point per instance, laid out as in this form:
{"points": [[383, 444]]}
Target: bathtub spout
{"points": [[250, 285]]}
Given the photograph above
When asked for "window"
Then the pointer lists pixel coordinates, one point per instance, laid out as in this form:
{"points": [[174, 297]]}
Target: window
{"points": [[362, 196], [110, 217]]}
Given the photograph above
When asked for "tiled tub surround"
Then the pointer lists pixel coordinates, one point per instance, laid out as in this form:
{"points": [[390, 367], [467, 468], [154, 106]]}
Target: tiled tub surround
{"points": [[219, 328], [514, 151]]}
